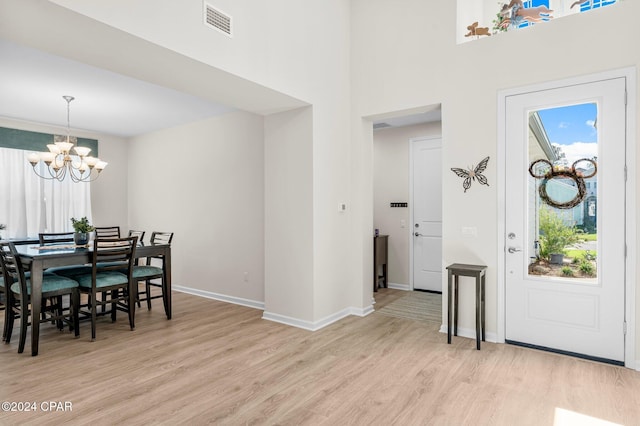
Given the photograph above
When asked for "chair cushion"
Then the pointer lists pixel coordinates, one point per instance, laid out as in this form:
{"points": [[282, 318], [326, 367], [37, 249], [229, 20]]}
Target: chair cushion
{"points": [[143, 271], [103, 279], [49, 283], [26, 275]]}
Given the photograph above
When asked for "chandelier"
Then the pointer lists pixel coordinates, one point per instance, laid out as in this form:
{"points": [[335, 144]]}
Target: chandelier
{"points": [[60, 163]]}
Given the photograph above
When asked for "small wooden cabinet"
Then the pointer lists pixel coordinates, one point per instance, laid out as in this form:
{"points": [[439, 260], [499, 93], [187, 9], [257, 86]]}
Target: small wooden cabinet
{"points": [[380, 257]]}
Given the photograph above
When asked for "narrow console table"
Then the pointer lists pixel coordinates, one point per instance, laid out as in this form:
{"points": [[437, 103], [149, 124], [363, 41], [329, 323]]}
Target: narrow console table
{"points": [[478, 272], [380, 257]]}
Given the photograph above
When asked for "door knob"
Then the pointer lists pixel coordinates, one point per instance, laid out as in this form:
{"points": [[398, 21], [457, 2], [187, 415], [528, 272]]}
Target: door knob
{"points": [[417, 234], [513, 249]]}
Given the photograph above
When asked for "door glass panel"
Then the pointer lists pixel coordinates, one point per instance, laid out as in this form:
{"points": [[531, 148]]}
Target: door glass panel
{"points": [[563, 192]]}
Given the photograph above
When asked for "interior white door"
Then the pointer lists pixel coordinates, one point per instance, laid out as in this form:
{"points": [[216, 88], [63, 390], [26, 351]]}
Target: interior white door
{"points": [[583, 316], [426, 155]]}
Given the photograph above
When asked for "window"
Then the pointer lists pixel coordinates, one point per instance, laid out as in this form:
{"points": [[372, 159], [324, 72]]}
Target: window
{"points": [[595, 4], [29, 204], [527, 4]]}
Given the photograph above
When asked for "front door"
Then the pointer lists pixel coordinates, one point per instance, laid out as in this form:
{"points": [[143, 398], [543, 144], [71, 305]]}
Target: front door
{"points": [[565, 219], [426, 160]]}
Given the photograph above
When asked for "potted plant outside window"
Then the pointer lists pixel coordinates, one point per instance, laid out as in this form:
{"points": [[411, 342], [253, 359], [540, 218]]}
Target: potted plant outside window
{"points": [[555, 237], [81, 228]]}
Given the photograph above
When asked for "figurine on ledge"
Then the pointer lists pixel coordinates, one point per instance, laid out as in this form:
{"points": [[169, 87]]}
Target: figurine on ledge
{"points": [[475, 31], [515, 13]]}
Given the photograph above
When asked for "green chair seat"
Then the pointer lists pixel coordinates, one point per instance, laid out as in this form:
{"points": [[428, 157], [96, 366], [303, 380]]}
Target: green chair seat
{"points": [[144, 271], [50, 283], [26, 274], [103, 279]]}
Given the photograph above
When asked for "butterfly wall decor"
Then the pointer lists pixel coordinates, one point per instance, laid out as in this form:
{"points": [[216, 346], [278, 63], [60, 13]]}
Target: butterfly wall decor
{"points": [[474, 173]]}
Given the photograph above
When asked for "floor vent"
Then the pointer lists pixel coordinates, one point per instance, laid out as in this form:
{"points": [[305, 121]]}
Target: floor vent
{"points": [[216, 19], [377, 126]]}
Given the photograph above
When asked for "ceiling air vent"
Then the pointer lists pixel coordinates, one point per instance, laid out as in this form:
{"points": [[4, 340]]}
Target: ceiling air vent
{"points": [[377, 126], [216, 19]]}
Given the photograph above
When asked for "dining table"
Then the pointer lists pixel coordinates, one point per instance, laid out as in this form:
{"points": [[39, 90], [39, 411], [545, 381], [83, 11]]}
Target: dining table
{"points": [[38, 258]]}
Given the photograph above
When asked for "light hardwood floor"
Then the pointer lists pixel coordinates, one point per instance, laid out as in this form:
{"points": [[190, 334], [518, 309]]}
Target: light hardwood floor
{"points": [[217, 363]]}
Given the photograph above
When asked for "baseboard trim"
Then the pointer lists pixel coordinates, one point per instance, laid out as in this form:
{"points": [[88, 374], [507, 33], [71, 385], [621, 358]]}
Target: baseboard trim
{"points": [[471, 333], [397, 286], [317, 325], [283, 319], [221, 297], [290, 321]]}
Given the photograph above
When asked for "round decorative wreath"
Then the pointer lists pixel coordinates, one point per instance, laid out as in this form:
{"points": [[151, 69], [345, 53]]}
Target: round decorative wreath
{"points": [[571, 173]]}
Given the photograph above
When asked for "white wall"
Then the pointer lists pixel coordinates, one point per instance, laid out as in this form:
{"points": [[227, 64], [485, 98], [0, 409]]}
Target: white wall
{"points": [[109, 192], [391, 183], [289, 204], [424, 66], [204, 182], [278, 44], [284, 45]]}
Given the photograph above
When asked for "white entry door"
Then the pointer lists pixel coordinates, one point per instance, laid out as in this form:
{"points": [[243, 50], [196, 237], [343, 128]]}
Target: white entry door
{"points": [[426, 155], [573, 303]]}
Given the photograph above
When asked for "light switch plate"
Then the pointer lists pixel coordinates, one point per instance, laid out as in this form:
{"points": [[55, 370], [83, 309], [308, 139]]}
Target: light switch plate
{"points": [[471, 231]]}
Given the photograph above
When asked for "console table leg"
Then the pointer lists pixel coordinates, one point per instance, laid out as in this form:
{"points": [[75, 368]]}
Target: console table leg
{"points": [[449, 307], [478, 321]]}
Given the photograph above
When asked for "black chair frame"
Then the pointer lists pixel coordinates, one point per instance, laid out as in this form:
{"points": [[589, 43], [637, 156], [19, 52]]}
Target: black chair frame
{"points": [[156, 238], [111, 255], [17, 304]]}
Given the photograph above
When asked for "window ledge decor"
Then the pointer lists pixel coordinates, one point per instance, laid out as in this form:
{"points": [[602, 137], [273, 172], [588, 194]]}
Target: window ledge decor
{"points": [[513, 15]]}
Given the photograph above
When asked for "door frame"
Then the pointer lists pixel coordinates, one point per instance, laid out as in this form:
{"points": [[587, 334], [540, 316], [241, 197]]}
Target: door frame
{"points": [[411, 221], [630, 195]]}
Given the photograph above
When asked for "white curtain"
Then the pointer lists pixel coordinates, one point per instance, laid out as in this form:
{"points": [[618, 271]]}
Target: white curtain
{"points": [[30, 204]]}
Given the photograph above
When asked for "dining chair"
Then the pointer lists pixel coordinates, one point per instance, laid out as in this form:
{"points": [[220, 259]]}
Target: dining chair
{"points": [[3, 302], [18, 296], [111, 270], [150, 272], [62, 237], [104, 232], [55, 237], [3, 289], [139, 234], [66, 271]]}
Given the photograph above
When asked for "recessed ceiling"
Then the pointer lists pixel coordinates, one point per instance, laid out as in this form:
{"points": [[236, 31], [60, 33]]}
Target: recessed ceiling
{"points": [[32, 84]]}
